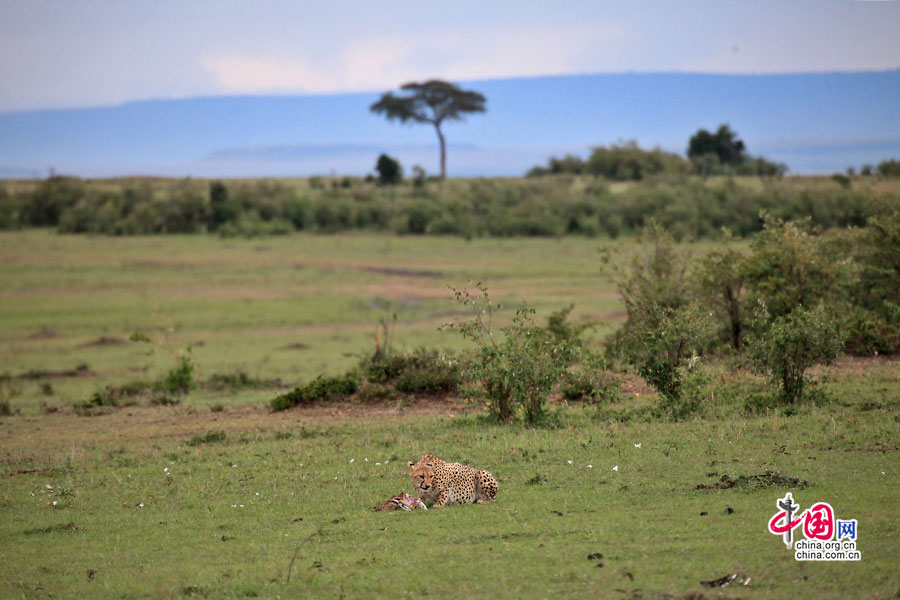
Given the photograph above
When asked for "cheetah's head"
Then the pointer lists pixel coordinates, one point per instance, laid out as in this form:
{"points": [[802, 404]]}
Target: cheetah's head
{"points": [[422, 474]]}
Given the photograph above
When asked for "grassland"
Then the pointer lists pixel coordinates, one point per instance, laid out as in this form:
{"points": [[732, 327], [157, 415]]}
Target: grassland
{"points": [[283, 307], [218, 497]]}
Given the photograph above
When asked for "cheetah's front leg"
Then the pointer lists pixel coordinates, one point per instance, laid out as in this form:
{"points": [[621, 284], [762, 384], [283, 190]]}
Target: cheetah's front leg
{"points": [[442, 498]]}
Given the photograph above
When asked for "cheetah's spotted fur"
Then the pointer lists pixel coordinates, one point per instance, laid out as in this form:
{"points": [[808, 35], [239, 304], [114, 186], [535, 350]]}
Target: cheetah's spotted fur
{"points": [[451, 483]]}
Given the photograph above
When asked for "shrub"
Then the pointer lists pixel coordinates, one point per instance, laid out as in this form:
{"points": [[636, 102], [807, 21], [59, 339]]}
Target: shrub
{"points": [[180, 380], [623, 162], [328, 388], [874, 326], [518, 371], [629, 162], [118, 395], [889, 168], [662, 343], [8, 390], [439, 376], [53, 196], [105, 397], [164, 400], [788, 267], [320, 389], [389, 170], [371, 392], [792, 344], [237, 380], [571, 202], [418, 217], [719, 281], [212, 437], [221, 209], [866, 332], [591, 383], [423, 371], [656, 274], [299, 212], [563, 330]]}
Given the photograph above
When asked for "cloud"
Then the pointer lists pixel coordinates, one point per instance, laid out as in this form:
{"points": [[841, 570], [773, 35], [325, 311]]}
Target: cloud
{"points": [[248, 74], [382, 62]]}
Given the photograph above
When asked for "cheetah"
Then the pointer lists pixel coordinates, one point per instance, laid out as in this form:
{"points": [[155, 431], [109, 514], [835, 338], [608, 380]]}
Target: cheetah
{"points": [[446, 483]]}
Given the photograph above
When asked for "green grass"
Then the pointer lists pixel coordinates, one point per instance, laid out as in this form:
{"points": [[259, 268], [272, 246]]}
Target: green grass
{"points": [[167, 503], [287, 307], [148, 499]]}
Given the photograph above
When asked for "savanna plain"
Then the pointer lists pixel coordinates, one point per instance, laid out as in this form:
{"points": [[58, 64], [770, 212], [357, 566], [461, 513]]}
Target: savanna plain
{"points": [[211, 494]]}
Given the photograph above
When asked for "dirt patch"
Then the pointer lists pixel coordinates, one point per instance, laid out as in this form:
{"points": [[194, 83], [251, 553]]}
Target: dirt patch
{"points": [[63, 429], [405, 290], [879, 447], [235, 293], [79, 371], [763, 480], [852, 367], [31, 472], [402, 272], [54, 528], [43, 334], [633, 385], [103, 341], [296, 346]]}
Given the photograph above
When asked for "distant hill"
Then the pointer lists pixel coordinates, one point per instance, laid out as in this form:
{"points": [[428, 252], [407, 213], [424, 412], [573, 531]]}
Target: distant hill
{"points": [[815, 123]]}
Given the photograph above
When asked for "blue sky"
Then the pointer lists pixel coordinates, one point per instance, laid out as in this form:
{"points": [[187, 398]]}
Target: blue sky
{"points": [[90, 52]]}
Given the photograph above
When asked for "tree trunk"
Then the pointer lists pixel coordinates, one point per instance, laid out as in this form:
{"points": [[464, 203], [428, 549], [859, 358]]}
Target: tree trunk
{"points": [[437, 127]]}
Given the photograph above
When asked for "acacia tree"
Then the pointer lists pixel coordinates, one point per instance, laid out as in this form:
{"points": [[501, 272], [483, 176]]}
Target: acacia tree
{"points": [[434, 102]]}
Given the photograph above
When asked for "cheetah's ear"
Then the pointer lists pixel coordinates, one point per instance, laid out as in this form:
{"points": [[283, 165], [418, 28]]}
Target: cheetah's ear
{"points": [[409, 464]]}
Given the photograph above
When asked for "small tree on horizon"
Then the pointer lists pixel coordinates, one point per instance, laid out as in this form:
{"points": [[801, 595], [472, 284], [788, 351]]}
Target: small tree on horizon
{"points": [[434, 102], [389, 170], [724, 144]]}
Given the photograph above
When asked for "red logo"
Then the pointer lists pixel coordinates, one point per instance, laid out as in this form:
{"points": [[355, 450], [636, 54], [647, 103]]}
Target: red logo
{"points": [[818, 521]]}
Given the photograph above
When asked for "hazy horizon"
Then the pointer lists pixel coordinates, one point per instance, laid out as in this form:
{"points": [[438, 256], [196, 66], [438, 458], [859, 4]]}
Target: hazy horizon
{"points": [[100, 53], [815, 123]]}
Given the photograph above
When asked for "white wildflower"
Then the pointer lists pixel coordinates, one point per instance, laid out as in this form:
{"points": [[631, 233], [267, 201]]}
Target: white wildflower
{"points": [[569, 461], [616, 468], [590, 466], [637, 445], [352, 459]]}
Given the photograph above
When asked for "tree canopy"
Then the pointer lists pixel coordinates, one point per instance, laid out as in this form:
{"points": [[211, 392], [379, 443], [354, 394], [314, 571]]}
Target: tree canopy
{"points": [[433, 102], [724, 143], [389, 170]]}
